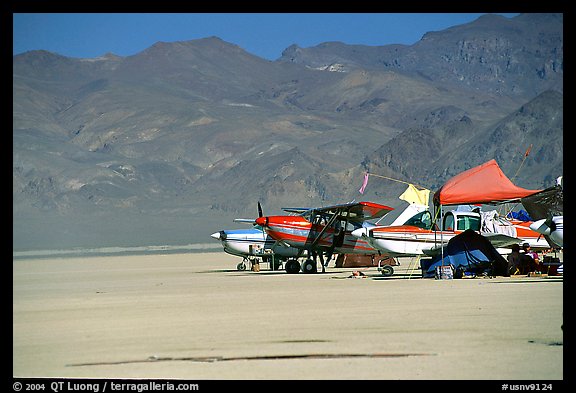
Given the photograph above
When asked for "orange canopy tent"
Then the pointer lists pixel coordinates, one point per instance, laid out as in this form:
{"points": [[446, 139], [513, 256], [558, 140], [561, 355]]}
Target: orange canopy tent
{"points": [[484, 184]]}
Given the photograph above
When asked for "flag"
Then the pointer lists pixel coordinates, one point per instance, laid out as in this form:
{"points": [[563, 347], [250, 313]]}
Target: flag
{"points": [[413, 195], [364, 184]]}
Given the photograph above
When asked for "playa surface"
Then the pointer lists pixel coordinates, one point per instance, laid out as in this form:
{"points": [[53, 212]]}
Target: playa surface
{"points": [[194, 316]]}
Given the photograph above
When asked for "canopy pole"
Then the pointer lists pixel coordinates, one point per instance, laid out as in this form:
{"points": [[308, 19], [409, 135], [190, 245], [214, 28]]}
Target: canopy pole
{"points": [[416, 263], [442, 237], [396, 180]]}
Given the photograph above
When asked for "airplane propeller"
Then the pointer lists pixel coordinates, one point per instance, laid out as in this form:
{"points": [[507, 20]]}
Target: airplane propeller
{"points": [[548, 228], [251, 220], [261, 220]]}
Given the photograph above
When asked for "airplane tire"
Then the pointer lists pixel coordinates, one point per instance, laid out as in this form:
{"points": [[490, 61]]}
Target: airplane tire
{"points": [[241, 266], [292, 266], [387, 270], [309, 266]]}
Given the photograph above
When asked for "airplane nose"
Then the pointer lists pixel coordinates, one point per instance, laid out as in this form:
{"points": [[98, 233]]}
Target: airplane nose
{"points": [[219, 235], [360, 232], [541, 226], [262, 221]]}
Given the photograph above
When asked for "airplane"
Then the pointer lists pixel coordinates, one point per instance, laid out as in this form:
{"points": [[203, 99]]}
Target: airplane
{"points": [[322, 231], [419, 236], [484, 184], [546, 207], [253, 244], [552, 228]]}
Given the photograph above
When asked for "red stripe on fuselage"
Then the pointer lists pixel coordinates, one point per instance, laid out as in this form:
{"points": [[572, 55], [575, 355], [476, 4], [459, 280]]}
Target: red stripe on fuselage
{"points": [[280, 228]]}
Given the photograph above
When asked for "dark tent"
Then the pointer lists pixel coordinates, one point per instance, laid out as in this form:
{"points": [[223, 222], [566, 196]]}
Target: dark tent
{"points": [[468, 253]]}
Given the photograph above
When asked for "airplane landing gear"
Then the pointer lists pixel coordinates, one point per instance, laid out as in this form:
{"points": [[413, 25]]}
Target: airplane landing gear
{"points": [[309, 266], [292, 266], [242, 265], [387, 270]]}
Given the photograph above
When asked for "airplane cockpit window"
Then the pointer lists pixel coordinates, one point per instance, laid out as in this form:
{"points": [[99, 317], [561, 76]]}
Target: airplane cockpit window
{"points": [[317, 219], [352, 225], [449, 222], [468, 222], [422, 220]]}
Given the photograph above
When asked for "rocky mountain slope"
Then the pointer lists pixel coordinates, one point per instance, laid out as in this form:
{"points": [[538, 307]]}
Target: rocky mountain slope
{"points": [[172, 143]]}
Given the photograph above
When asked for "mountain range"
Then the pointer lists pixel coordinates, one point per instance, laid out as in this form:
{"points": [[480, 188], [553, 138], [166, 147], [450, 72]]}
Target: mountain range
{"points": [[170, 144]]}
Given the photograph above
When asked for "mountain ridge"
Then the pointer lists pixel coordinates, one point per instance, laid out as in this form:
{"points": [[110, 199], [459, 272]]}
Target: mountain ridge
{"points": [[177, 140]]}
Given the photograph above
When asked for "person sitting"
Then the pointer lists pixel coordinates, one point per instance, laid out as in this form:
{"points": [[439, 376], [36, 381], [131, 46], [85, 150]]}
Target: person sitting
{"points": [[514, 260], [528, 260]]}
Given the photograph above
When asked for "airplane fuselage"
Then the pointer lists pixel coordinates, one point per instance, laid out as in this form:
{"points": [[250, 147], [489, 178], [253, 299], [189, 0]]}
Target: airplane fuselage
{"points": [[404, 240], [252, 242], [300, 233], [409, 240]]}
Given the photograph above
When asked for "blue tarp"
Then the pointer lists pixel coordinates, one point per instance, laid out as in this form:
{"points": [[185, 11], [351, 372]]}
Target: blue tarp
{"points": [[468, 252], [521, 215]]}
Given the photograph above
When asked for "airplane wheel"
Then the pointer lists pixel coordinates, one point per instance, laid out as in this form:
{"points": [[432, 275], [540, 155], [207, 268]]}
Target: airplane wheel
{"points": [[309, 266], [387, 270], [292, 266], [241, 266]]}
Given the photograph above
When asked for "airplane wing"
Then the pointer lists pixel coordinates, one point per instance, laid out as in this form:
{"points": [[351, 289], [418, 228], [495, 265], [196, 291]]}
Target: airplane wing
{"points": [[297, 210], [500, 240], [354, 211], [245, 220]]}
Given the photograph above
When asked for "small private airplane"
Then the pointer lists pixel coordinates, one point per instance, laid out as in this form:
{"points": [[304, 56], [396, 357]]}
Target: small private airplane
{"points": [[420, 235], [254, 244], [546, 208], [322, 232]]}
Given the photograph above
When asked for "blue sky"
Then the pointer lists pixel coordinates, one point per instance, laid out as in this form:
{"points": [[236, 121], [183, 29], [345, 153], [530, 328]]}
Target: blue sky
{"points": [[262, 34]]}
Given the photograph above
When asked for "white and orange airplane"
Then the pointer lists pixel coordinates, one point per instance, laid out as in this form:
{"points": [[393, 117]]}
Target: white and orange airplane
{"points": [[420, 236], [322, 232], [484, 184]]}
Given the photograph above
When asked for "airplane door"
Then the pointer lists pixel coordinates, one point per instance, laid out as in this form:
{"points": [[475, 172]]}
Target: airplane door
{"points": [[339, 233]]}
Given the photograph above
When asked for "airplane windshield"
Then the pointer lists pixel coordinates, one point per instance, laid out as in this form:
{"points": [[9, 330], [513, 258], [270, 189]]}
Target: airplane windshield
{"points": [[319, 218], [352, 225], [422, 220]]}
